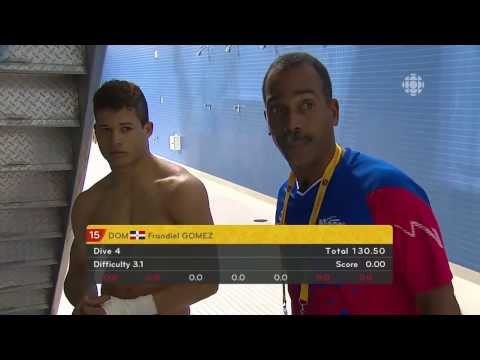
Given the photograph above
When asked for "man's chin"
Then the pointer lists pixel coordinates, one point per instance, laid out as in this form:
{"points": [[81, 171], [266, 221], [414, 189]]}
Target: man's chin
{"points": [[299, 166], [297, 158], [119, 163], [298, 162]]}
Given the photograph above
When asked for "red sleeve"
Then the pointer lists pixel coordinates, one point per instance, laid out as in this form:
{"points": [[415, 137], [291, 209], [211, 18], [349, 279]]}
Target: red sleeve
{"points": [[419, 257]]}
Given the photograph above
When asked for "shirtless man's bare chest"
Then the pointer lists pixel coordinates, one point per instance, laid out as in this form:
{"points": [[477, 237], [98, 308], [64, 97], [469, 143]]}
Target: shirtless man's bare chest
{"points": [[143, 201]]}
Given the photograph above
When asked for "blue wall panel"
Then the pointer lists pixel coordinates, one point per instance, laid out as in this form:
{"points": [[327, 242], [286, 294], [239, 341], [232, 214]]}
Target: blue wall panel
{"points": [[433, 137]]}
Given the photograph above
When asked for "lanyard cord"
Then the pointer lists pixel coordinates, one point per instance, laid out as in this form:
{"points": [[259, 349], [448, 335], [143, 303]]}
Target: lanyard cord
{"points": [[326, 178]]}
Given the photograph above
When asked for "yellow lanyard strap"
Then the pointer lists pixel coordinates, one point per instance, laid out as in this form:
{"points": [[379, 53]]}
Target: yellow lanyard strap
{"points": [[326, 178]]}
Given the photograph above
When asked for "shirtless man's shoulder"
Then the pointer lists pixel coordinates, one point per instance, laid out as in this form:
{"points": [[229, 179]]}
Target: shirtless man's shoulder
{"points": [[89, 198], [173, 194], [183, 192], [169, 182]]}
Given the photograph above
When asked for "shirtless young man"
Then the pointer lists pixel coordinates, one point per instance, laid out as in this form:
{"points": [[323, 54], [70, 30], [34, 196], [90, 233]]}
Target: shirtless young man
{"points": [[141, 189]]}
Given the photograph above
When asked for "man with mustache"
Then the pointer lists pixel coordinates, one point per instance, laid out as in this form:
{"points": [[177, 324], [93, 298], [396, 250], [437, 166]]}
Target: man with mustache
{"points": [[332, 184]]}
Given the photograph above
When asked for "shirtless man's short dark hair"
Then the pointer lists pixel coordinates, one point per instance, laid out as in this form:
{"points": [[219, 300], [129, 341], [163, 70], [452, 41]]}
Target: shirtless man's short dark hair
{"points": [[164, 194], [119, 94]]}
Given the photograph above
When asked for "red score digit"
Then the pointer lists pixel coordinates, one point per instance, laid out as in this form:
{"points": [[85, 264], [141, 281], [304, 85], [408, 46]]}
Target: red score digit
{"points": [[365, 277], [110, 277], [152, 277], [322, 277]]}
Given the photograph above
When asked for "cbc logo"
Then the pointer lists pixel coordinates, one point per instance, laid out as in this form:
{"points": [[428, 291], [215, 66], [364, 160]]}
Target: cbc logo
{"points": [[413, 84]]}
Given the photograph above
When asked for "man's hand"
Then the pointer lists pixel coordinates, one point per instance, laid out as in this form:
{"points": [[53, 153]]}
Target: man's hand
{"points": [[91, 305], [439, 301]]}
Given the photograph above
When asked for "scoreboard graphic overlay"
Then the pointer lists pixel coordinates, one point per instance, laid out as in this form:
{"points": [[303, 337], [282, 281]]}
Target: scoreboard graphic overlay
{"points": [[250, 254]]}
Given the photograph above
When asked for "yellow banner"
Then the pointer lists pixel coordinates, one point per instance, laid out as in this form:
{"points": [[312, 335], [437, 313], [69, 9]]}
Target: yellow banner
{"points": [[238, 234]]}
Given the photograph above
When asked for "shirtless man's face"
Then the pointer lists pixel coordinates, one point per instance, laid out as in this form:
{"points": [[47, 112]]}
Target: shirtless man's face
{"points": [[121, 137]]}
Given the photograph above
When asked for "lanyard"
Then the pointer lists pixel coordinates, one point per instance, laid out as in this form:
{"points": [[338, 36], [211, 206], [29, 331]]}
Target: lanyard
{"points": [[326, 178]]}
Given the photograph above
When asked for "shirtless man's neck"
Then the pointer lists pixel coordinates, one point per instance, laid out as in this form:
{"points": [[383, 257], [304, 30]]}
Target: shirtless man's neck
{"points": [[144, 170], [125, 175]]}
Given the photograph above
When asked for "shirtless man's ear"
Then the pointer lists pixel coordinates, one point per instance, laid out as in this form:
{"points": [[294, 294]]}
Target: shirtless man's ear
{"points": [[148, 127]]}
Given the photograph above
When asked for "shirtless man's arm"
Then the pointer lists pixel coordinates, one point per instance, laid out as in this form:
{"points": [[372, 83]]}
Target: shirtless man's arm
{"points": [[80, 287], [189, 206]]}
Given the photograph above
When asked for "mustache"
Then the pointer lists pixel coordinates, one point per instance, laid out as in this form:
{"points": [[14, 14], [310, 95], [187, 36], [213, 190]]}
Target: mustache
{"points": [[291, 137]]}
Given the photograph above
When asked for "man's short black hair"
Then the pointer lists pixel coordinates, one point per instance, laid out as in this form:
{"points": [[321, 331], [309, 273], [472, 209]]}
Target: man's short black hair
{"points": [[118, 94], [294, 59]]}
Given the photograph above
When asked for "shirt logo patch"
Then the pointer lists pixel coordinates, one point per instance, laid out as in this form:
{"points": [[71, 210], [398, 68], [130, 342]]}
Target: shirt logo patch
{"points": [[331, 220]]}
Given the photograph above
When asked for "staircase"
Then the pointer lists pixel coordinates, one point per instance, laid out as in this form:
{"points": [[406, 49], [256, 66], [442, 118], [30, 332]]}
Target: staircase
{"points": [[46, 123]]}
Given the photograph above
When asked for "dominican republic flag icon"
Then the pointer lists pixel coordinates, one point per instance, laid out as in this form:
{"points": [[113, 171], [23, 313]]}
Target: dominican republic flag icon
{"points": [[137, 235]]}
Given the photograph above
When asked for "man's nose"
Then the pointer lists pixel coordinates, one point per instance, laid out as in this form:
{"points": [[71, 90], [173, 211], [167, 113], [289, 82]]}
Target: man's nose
{"points": [[294, 121], [117, 139]]}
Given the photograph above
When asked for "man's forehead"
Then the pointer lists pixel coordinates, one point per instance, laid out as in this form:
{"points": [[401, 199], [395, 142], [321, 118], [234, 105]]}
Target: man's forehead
{"points": [[111, 115], [302, 79], [290, 94]]}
